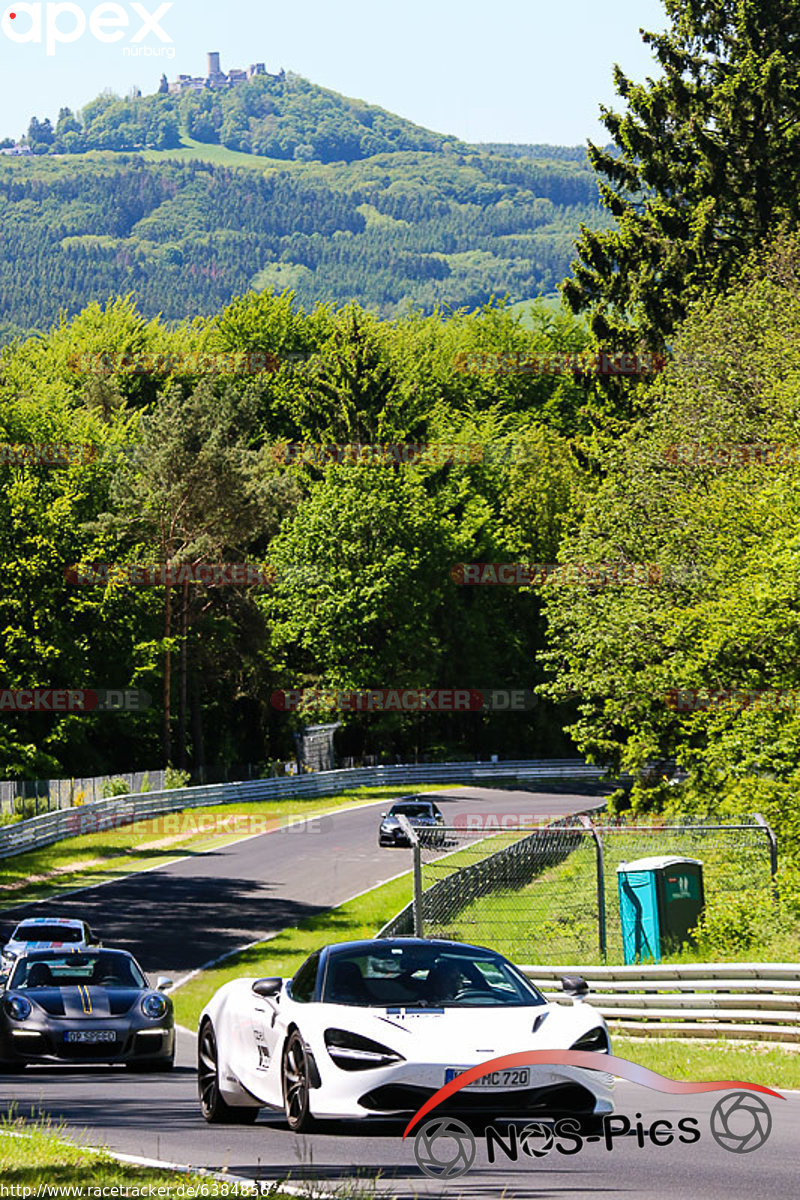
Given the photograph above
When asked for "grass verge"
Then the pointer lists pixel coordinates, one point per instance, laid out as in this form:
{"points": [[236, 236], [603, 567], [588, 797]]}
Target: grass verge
{"points": [[113, 853], [551, 919], [775, 1065], [36, 1158]]}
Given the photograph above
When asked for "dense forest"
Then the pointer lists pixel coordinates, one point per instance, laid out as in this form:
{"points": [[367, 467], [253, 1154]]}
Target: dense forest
{"points": [[391, 232], [671, 635], [362, 552]]}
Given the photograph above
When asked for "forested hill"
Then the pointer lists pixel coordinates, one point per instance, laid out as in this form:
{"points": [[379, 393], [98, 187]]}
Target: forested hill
{"points": [[275, 116], [172, 199]]}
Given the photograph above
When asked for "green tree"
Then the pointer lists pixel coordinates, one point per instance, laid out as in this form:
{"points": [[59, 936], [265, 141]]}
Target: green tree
{"points": [[702, 169], [700, 661], [194, 492]]}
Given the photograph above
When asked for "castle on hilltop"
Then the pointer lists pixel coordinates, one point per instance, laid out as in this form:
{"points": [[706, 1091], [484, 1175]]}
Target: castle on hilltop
{"points": [[215, 77]]}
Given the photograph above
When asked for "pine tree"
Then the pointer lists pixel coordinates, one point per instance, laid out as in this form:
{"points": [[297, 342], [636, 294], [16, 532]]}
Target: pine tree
{"points": [[703, 166]]}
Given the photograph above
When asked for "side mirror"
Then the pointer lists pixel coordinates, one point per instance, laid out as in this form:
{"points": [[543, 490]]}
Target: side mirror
{"points": [[575, 986], [384, 814], [163, 982], [268, 987]]}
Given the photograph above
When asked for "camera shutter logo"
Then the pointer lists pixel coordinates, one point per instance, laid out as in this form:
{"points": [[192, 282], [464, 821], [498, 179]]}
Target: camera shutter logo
{"points": [[536, 1139], [741, 1122], [444, 1148]]}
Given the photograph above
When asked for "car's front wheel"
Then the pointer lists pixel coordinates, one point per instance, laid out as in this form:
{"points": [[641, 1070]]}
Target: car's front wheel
{"points": [[297, 1085], [213, 1107]]}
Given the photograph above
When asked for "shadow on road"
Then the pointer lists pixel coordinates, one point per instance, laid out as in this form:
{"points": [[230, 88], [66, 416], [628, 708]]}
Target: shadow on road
{"points": [[174, 921]]}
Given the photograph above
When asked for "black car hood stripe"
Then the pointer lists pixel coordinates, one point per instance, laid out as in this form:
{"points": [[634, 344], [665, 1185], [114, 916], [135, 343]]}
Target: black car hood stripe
{"points": [[85, 1002]]}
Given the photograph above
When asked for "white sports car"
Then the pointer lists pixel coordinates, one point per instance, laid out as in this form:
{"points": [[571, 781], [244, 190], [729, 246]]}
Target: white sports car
{"points": [[46, 933], [374, 1028]]}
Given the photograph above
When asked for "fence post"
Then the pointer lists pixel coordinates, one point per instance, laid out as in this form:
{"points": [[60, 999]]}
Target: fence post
{"points": [[601, 884], [773, 852], [416, 850]]}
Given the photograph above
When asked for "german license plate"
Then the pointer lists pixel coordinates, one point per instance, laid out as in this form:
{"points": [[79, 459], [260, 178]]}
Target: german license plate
{"points": [[90, 1035], [519, 1077]]}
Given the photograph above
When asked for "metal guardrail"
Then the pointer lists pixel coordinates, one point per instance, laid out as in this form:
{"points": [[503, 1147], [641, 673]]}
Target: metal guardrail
{"points": [[53, 827], [757, 1001]]}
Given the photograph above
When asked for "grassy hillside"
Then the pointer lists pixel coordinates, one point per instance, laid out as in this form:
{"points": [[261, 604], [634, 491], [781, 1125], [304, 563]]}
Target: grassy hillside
{"points": [[184, 229], [186, 200]]}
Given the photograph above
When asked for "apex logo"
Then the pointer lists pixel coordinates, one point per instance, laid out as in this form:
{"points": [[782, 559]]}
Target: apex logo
{"points": [[66, 22]]}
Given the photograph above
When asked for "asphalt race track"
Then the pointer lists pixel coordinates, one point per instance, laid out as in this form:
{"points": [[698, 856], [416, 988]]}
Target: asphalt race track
{"points": [[185, 915], [159, 1117], [181, 916]]}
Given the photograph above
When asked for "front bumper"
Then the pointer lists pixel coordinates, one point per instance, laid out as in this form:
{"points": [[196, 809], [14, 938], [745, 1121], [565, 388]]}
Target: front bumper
{"points": [[132, 1043], [393, 837], [402, 1089]]}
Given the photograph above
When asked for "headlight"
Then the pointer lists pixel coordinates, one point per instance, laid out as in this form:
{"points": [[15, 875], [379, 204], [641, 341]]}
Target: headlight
{"points": [[19, 1008], [154, 1006], [595, 1039], [10, 954], [352, 1052]]}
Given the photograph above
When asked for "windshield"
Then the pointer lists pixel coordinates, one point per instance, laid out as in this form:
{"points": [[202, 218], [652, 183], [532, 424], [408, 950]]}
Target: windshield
{"points": [[47, 933], [109, 968], [412, 810], [425, 977]]}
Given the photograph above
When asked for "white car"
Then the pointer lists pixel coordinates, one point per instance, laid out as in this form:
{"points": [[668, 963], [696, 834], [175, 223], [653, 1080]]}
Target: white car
{"points": [[374, 1028], [46, 933]]}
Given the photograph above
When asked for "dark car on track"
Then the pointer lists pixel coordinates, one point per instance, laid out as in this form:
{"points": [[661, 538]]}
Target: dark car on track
{"points": [[420, 814], [84, 1006]]}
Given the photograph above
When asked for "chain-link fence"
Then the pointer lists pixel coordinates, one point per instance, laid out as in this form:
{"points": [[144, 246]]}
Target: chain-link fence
{"points": [[549, 894]]}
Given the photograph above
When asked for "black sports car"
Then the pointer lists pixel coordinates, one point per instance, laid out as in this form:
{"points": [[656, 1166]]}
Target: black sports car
{"points": [[419, 812], [84, 1006]]}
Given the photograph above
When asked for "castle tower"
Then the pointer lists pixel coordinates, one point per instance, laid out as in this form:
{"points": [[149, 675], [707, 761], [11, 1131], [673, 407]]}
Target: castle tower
{"points": [[212, 58]]}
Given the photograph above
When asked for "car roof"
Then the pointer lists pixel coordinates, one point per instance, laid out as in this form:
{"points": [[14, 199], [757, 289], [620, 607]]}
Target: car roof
{"points": [[367, 944], [70, 922], [92, 952]]}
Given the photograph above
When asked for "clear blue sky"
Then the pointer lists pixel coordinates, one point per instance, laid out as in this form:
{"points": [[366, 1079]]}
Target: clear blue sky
{"points": [[484, 70]]}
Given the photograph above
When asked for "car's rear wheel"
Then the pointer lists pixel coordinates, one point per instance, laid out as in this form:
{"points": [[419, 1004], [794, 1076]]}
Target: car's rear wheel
{"points": [[213, 1107], [296, 1074]]}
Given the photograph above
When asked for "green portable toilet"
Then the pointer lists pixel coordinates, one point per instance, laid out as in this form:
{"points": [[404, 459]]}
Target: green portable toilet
{"points": [[660, 899]]}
